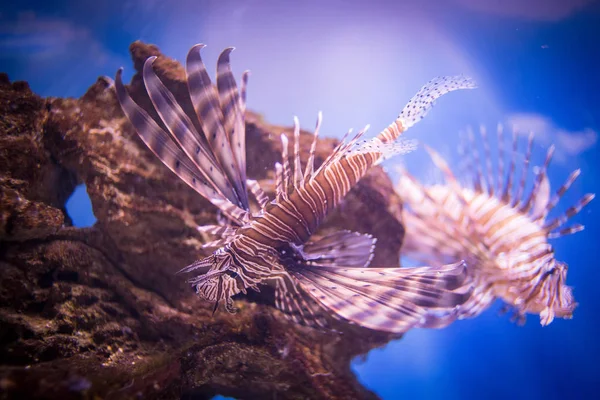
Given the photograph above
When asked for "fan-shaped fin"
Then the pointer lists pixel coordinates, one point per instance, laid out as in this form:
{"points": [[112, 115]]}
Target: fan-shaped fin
{"points": [[161, 144], [233, 113], [350, 249], [387, 299], [182, 129], [297, 306], [206, 103]]}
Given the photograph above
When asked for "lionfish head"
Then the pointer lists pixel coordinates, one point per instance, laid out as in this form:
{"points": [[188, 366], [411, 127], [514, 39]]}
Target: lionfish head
{"points": [[554, 297], [545, 291], [219, 279]]}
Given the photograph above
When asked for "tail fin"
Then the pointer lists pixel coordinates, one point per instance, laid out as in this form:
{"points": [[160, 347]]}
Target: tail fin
{"points": [[384, 144], [422, 102]]}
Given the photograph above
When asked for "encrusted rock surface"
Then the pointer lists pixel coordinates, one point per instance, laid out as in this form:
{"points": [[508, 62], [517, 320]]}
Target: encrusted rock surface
{"points": [[98, 312]]}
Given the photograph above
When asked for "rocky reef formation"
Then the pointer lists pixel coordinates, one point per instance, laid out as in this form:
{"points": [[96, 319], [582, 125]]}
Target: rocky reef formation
{"points": [[98, 312]]}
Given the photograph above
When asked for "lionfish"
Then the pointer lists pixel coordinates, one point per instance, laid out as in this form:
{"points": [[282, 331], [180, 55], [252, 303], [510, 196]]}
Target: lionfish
{"points": [[313, 280], [500, 231]]}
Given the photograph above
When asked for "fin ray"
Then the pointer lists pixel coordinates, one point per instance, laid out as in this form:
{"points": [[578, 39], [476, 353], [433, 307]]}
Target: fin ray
{"points": [[208, 110], [233, 118], [351, 249], [385, 299], [161, 144]]}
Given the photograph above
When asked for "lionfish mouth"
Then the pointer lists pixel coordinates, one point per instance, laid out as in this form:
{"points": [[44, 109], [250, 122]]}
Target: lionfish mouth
{"points": [[216, 280], [217, 286], [550, 297]]}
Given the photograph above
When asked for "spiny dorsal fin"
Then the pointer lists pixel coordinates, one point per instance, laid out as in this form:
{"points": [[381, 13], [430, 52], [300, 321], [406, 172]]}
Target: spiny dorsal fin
{"points": [[541, 198], [342, 148], [285, 162], [478, 179], [535, 192], [561, 191], [507, 195], [335, 151], [501, 171], [280, 193], [310, 167], [488, 160], [525, 169], [570, 213], [298, 177]]}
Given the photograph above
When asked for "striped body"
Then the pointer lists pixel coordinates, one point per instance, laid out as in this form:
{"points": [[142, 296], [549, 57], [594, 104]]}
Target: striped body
{"points": [[315, 280], [296, 217], [499, 231]]}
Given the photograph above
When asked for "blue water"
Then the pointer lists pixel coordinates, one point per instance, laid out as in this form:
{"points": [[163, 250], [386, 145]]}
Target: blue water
{"points": [[536, 62], [79, 208]]}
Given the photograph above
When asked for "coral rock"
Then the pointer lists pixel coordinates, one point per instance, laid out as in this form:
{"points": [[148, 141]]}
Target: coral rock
{"points": [[99, 312]]}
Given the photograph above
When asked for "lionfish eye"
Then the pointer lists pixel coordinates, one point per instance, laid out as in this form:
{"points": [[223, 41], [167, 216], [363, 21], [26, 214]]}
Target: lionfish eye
{"points": [[231, 273]]}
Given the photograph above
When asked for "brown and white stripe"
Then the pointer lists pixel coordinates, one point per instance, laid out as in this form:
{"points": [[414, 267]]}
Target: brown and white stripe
{"points": [[500, 232], [315, 279]]}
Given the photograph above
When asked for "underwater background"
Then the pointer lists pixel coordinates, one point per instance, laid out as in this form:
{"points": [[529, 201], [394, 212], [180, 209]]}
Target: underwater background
{"points": [[536, 63]]}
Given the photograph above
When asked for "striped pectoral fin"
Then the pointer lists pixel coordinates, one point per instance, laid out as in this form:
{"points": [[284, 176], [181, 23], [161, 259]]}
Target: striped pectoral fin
{"points": [[163, 146], [297, 306], [481, 299], [233, 108], [184, 132], [350, 249], [388, 299], [243, 88], [208, 109]]}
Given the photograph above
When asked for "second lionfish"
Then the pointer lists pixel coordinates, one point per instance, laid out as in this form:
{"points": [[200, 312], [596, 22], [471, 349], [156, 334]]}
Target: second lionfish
{"points": [[313, 281], [499, 230]]}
